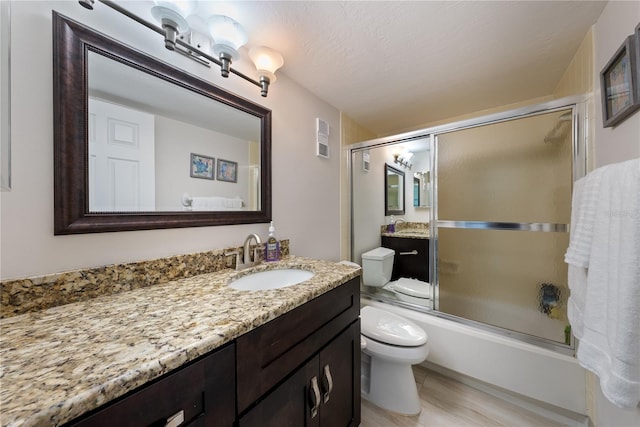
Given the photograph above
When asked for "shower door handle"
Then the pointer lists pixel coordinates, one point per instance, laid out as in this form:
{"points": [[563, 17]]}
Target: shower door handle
{"points": [[413, 252]]}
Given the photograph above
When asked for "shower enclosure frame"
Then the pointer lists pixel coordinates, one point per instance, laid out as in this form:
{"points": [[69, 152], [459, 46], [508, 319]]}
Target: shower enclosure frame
{"points": [[580, 109]]}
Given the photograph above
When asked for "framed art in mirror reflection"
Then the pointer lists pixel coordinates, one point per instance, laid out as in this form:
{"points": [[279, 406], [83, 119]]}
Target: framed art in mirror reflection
{"points": [[202, 166]]}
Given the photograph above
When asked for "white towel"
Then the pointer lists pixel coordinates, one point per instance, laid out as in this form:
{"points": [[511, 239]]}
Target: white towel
{"points": [[215, 203], [604, 309], [583, 214]]}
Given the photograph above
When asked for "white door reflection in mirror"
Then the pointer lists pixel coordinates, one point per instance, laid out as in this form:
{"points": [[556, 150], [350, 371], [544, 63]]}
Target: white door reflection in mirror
{"points": [[121, 159]]}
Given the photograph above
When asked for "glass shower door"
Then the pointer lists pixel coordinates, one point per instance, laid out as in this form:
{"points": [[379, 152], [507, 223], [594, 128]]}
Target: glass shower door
{"points": [[503, 194]]}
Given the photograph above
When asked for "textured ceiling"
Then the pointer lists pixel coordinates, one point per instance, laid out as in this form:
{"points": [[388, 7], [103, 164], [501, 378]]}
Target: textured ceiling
{"points": [[393, 65]]}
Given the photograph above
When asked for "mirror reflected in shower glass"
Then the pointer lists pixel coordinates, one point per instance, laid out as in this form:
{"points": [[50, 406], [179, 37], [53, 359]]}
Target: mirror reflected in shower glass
{"points": [[394, 191]]}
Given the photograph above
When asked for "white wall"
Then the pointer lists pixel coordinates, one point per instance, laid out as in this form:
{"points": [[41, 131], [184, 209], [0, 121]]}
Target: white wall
{"points": [[305, 187], [611, 145], [175, 141]]}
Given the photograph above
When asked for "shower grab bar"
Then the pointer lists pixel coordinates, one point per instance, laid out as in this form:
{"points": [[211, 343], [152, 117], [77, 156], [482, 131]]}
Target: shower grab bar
{"points": [[513, 226], [413, 252]]}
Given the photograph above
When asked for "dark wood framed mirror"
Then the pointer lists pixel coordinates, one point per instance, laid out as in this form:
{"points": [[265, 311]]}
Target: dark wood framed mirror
{"points": [[237, 158], [393, 191]]}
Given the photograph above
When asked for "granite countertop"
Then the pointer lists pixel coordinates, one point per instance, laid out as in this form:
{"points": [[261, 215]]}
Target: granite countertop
{"points": [[408, 234], [59, 363]]}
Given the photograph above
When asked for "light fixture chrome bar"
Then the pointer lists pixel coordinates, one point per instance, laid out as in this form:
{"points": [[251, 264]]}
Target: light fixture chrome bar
{"points": [[511, 226], [179, 41]]}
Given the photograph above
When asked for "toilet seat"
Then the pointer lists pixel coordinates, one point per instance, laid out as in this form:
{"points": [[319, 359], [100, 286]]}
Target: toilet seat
{"points": [[395, 354], [389, 328], [413, 287]]}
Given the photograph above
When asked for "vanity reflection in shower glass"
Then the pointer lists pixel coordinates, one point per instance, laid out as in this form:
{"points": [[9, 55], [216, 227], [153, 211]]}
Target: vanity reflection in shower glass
{"points": [[496, 198]]}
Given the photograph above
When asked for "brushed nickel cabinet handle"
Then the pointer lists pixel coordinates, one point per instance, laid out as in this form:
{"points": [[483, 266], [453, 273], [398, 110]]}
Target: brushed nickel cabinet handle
{"points": [[413, 252], [175, 420], [314, 397], [327, 383]]}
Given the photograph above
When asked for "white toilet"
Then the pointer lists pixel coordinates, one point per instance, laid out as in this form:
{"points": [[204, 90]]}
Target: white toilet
{"points": [[391, 344]]}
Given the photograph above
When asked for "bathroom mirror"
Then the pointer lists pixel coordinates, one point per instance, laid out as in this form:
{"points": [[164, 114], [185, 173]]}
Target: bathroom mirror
{"points": [[394, 191], [421, 189], [138, 142]]}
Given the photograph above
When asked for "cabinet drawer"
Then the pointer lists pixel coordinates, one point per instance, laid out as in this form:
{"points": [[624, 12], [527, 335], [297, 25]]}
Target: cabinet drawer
{"points": [[269, 353], [203, 391]]}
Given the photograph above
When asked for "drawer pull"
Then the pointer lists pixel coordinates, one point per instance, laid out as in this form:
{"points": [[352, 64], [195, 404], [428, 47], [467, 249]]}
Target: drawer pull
{"points": [[327, 383], [413, 252], [175, 420], [314, 397]]}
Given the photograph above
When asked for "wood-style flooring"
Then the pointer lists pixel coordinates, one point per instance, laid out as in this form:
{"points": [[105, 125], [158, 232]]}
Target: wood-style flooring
{"points": [[449, 403]]}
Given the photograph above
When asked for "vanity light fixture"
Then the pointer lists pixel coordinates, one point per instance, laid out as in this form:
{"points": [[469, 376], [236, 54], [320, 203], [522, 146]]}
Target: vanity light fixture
{"points": [[403, 159], [172, 17], [267, 62], [227, 38], [88, 4]]}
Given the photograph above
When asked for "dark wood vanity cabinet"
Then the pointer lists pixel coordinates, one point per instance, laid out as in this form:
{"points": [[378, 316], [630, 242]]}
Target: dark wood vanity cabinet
{"points": [[300, 369], [411, 259], [322, 392], [201, 394], [303, 368]]}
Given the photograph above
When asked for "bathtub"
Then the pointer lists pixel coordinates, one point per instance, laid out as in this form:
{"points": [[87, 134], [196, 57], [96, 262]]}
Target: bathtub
{"points": [[526, 371]]}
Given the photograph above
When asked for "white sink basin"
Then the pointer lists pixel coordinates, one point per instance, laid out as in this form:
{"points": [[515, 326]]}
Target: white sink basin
{"points": [[271, 279]]}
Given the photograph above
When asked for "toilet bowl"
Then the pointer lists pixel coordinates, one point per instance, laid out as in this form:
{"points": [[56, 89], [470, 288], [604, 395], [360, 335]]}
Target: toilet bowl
{"points": [[391, 345]]}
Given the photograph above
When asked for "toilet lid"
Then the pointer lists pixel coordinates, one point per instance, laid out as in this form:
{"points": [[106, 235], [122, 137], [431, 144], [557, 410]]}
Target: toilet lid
{"points": [[378, 254], [390, 328], [413, 287]]}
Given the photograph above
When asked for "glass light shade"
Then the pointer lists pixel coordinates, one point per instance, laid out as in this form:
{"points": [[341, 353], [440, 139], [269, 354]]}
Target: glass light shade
{"points": [[175, 11], [163, 14], [182, 7], [267, 61], [228, 35]]}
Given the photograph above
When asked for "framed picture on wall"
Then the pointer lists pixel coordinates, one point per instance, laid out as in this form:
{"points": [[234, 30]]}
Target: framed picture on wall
{"points": [[202, 166], [618, 82], [227, 171]]}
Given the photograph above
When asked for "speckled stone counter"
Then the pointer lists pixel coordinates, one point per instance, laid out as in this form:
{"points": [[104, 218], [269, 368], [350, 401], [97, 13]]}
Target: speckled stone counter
{"points": [[408, 234], [19, 296], [64, 361], [409, 230]]}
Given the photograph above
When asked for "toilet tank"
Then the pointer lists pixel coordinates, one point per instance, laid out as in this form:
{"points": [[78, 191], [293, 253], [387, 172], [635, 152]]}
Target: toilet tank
{"points": [[377, 266]]}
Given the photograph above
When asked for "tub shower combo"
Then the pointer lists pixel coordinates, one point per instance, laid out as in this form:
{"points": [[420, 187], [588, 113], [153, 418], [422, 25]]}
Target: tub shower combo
{"points": [[493, 195]]}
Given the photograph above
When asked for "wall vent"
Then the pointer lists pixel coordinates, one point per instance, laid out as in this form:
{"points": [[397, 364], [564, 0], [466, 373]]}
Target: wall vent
{"points": [[322, 138]]}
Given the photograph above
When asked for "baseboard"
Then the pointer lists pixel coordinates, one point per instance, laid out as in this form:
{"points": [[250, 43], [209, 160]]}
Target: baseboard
{"points": [[555, 413]]}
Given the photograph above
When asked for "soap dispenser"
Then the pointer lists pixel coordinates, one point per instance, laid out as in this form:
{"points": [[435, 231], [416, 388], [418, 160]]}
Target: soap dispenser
{"points": [[272, 247]]}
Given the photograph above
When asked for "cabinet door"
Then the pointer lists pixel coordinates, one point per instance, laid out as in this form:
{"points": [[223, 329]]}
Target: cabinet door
{"points": [[340, 380], [291, 403], [336, 373]]}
